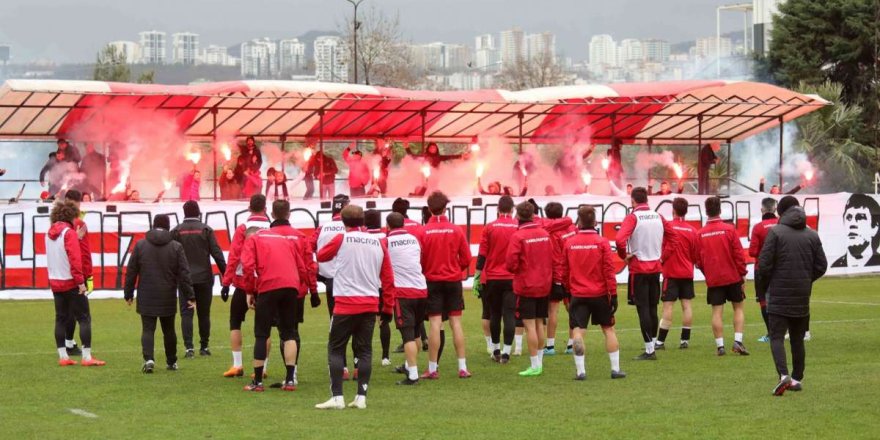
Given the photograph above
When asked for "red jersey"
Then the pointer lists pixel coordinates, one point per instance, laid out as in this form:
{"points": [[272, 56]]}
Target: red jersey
{"points": [[721, 254], [85, 250], [493, 248], [680, 252], [274, 258], [559, 229], [413, 227], [588, 265], [759, 234], [446, 253], [527, 259]]}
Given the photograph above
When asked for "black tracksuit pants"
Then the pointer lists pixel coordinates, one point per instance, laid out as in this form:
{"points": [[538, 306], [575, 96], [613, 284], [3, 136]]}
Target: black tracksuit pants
{"points": [[502, 303], [360, 329], [71, 305], [148, 333], [796, 328], [204, 296]]}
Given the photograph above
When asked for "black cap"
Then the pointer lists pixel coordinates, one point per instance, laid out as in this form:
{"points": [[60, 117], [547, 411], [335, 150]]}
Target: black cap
{"points": [[339, 202]]}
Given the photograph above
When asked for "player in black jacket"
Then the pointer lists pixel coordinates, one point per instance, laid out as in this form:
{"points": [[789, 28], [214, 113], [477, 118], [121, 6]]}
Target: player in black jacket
{"points": [[200, 245]]}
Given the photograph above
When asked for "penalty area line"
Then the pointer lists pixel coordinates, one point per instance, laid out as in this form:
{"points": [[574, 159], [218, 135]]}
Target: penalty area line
{"points": [[848, 303]]}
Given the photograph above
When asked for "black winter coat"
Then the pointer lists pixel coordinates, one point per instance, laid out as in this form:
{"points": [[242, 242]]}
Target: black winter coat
{"points": [[790, 261], [158, 268], [199, 244]]}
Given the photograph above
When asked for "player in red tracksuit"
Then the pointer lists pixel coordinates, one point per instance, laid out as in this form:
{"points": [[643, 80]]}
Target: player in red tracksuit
{"points": [[640, 243], [759, 234], [724, 266], [446, 254], [494, 282], [234, 276], [560, 228], [274, 258], [82, 232], [679, 255], [410, 291], [64, 265], [588, 273], [529, 259], [363, 269]]}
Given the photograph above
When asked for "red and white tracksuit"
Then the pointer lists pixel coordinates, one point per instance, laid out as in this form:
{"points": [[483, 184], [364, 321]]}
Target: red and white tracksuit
{"points": [[363, 267], [63, 258], [234, 270], [642, 234], [405, 253], [320, 238]]}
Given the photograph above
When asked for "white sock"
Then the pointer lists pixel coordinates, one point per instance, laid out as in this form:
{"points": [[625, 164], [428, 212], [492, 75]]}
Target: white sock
{"points": [[69, 343], [265, 366], [432, 367], [540, 357], [489, 341], [615, 360], [236, 359], [462, 364], [496, 347], [551, 342], [87, 354], [654, 341], [649, 347], [360, 398], [505, 350], [413, 372], [719, 342], [62, 353], [738, 337], [517, 341], [534, 360], [658, 342], [795, 382], [570, 342], [579, 364]]}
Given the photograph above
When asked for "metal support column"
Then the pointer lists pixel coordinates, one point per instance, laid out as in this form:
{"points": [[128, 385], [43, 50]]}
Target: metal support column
{"points": [[423, 114], [214, 148], [520, 117], [321, 150], [781, 147], [283, 161], [729, 170]]}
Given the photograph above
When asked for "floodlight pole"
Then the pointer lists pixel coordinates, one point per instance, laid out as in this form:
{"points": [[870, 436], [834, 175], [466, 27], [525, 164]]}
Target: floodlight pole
{"points": [[354, 33]]}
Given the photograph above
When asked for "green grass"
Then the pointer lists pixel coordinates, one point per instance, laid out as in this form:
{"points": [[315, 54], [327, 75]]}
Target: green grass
{"points": [[686, 394]]}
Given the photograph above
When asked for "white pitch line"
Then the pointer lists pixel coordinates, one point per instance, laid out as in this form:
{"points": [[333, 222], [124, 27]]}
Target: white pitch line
{"points": [[847, 303], [83, 413]]}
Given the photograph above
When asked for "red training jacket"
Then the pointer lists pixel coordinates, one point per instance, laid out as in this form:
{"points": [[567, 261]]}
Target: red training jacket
{"points": [[680, 252], [413, 227], [493, 247], [759, 234], [559, 229], [588, 265], [446, 253], [85, 249], [275, 258], [721, 254], [529, 259]]}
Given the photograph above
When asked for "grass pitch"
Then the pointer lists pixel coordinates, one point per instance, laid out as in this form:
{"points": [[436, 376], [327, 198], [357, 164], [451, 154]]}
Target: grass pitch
{"points": [[686, 394]]}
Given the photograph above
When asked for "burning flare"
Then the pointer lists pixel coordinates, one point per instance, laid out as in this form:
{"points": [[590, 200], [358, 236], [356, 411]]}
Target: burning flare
{"points": [[307, 154], [193, 155], [168, 183], [605, 163], [679, 171], [522, 169], [480, 169], [586, 177], [376, 173], [226, 151], [475, 147], [426, 170]]}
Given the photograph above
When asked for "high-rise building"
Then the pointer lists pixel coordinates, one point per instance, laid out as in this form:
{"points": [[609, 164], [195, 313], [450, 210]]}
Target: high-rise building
{"points": [[129, 50], [655, 50], [763, 23], [185, 48], [603, 52], [486, 55], [152, 47], [511, 47], [630, 51], [291, 56], [456, 57], [216, 56], [540, 45], [428, 57], [259, 58], [331, 60], [709, 47]]}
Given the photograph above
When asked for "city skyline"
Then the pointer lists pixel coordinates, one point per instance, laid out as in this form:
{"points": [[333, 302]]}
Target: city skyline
{"points": [[74, 33]]}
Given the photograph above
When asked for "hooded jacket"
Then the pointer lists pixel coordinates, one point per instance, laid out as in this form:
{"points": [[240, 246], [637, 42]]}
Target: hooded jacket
{"points": [[63, 258], [791, 259], [559, 229], [158, 268], [200, 245]]}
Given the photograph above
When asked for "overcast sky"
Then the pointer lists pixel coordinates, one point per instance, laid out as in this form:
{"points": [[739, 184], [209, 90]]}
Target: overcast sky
{"points": [[74, 30]]}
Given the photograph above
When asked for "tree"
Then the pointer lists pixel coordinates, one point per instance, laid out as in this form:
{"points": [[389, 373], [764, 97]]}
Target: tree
{"points": [[541, 70], [111, 66], [383, 56], [831, 40], [147, 77], [829, 138]]}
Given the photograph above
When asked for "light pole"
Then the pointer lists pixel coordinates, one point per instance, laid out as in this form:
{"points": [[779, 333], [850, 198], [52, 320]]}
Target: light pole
{"points": [[356, 25]]}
